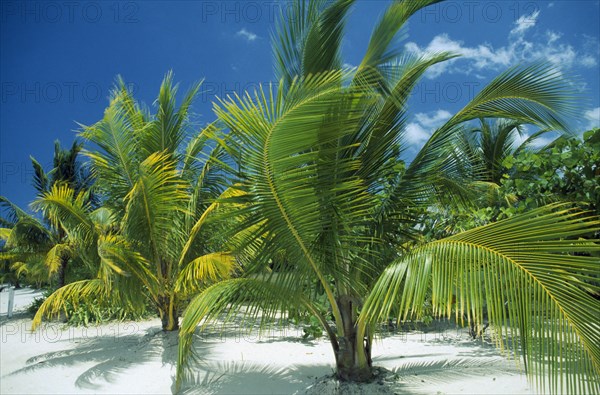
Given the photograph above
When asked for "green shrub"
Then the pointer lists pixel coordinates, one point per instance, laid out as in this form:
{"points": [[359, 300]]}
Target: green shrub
{"points": [[35, 305], [94, 312]]}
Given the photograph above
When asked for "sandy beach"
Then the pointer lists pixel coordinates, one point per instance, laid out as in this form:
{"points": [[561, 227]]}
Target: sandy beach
{"points": [[138, 358]]}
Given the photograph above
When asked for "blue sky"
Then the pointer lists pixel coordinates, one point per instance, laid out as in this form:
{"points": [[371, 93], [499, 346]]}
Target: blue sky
{"points": [[59, 59]]}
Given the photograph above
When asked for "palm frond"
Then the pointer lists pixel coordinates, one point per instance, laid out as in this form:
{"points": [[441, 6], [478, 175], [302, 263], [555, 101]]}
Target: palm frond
{"points": [[167, 131], [385, 131], [288, 139], [40, 179], [290, 36], [116, 164], [531, 272], [13, 212], [203, 270], [323, 41], [193, 233], [536, 94], [151, 203], [73, 293], [5, 233], [55, 256], [378, 52], [65, 209]]}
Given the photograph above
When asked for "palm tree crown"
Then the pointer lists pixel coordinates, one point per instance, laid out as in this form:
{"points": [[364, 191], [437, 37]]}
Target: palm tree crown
{"points": [[157, 189], [324, 181]]}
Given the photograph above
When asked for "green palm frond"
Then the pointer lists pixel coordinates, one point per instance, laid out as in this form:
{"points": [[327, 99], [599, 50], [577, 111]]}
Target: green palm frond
{"points": [[65, 209], [74, 293], [196, 145], [535, 93], [28, 234], [532, 274], [167, 131], [20, 268], [123, 98], [40, 179], [13, 212], [103, 219], [117, 255], [5, 233], [290, 36], [288, 139], [205, 269], [321, 50], [383, 136], [55, 256], [152, 202], [192, 235], [116, 163], [379, 52]]}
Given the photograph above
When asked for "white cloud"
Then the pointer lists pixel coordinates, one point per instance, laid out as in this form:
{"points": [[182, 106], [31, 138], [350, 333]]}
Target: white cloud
{"points": [[524, 23], [551, 4], [593, 117], [482, 56], [553, 36], [588, 61], [246, 35], [519, 48], [416, 133], [433, 120]]}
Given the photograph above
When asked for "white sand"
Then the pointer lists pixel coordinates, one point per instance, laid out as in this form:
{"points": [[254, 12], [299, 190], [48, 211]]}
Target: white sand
{"points": [[23, 298], [137, 358]]}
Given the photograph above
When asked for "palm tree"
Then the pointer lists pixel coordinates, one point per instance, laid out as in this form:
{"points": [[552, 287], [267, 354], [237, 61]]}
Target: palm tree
{"points": [[27, 243], [486, 148], [324, 181], [67, 169], [158, 190], [40, 248]]}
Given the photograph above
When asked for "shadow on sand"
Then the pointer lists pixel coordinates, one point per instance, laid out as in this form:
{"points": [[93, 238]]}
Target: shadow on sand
{"points": [[110, 356]]}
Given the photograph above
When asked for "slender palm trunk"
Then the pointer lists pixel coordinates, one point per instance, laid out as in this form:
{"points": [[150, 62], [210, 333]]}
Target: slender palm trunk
{"points": [[353, 356], [62, 272], [64, 261]]}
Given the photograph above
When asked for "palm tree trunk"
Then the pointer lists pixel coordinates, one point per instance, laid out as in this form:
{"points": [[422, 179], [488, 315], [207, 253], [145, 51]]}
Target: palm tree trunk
{"points": [[64, 260], [353, 357], [62, 272], [168, 314]]}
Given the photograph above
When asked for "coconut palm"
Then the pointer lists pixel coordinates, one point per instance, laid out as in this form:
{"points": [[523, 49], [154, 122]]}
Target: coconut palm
{"points": [[39, 248], [158, 190], [67, 169], [27, 243], [486, 147], [324, 181]]}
